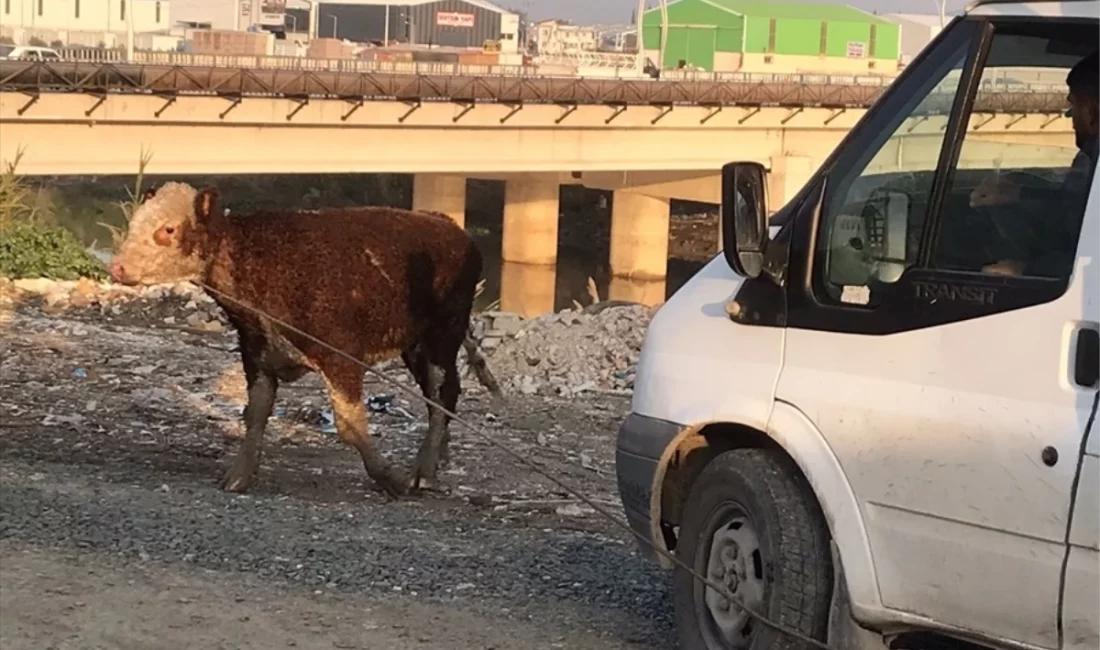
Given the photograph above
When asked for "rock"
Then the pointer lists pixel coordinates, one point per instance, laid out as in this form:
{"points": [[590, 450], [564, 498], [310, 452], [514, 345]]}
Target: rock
{"points": [[182, 289], [570, 510], [507, 324], [57, 297], [40, 286]]}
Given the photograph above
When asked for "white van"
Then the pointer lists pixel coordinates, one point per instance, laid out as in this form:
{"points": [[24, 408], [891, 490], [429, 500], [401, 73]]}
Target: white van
{"points": [[28, 53], [877, 420]]}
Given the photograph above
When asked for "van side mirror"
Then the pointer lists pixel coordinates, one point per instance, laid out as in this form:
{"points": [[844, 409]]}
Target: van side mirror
{"points": [[744, 217]]}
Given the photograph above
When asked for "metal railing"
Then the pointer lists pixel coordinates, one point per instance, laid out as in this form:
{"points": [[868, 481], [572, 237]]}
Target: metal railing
{"points": [[295, 63], [741, 89], [304, 64]]}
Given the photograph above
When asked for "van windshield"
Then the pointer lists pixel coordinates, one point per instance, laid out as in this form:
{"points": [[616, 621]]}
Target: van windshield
{"points": [[5, 50]]}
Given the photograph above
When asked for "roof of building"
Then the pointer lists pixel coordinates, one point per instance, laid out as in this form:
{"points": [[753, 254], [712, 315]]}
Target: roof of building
{"points": [[810, 10], [484, 4], [930, 20]]}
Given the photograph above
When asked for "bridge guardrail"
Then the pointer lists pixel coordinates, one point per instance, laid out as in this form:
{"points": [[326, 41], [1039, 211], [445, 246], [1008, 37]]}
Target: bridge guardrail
{"points": [[429, 68], [176, 80], [95, 55]]}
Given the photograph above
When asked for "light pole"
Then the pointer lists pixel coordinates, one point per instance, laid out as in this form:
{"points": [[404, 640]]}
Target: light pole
{"points": [[130, 32], [942, 6], [664, 33], [640, 23], [293, 23], [386, 29], [130, 5], [334, 24]]}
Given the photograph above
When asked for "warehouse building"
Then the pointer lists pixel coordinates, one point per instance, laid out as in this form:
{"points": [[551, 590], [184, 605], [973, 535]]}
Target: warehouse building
{"points": [[450, 23], [782, 37]]}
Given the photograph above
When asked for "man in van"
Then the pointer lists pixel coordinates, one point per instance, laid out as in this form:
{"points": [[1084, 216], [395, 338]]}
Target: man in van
{"points": [[1056, 253]]}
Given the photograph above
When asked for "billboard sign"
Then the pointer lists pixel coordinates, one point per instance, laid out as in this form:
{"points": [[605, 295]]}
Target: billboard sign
{"points": [[272, 12], [453, 19], [857, 50]]}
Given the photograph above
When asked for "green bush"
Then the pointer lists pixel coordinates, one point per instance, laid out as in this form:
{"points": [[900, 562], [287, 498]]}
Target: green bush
{"points": [[32, 249]]}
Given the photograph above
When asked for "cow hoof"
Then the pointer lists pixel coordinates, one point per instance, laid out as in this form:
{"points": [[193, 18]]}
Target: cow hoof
{"points": [[237, 479], [424, 485], [394, 485]]}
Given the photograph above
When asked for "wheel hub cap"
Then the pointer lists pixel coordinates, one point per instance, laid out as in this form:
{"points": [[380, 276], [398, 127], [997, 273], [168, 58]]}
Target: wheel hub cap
{"points": [[734, 562]]}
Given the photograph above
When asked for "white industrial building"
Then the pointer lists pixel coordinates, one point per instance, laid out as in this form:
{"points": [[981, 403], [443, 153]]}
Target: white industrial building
{"points": [[85, 22], [556, 37], [917, 30], [238, 15]]}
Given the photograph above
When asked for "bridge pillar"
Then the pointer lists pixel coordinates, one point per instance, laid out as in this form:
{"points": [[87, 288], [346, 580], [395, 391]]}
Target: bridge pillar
{"points": [[529, 246], [441, 193], [787, 176], [639, 247], [527, 289], [530, 230]]}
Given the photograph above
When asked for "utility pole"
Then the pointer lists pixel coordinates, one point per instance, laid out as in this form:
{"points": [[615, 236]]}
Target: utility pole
{"points": [[639, 22], [129, 30], [664, 34], [942, 6], [386, 29]]}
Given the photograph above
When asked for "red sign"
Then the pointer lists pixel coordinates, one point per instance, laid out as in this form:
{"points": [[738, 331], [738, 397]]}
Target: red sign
{"points": [[453, 19]]}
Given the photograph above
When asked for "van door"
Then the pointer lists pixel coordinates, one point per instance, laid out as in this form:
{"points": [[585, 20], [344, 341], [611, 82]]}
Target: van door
{"points": [[1081, 589], [932, 318]]}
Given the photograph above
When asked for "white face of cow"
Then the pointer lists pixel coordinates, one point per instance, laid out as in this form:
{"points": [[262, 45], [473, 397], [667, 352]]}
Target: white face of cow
{"points": [[163, 240]]}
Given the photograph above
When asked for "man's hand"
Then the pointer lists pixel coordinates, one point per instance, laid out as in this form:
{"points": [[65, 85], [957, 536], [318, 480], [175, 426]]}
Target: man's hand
{"points": [[994, 190], [1005, 267]]}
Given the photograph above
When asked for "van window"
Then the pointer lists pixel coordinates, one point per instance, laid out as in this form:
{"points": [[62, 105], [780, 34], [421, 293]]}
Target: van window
{"points": [[1013, 192], [874, 213], [1016, 197]]}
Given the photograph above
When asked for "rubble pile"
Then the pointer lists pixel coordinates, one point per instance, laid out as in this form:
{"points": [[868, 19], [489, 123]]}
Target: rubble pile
{"points": [[565, 353], [182, 305]]}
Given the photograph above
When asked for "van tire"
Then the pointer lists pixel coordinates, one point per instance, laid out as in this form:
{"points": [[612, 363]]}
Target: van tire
{"points": [[763, 491]]}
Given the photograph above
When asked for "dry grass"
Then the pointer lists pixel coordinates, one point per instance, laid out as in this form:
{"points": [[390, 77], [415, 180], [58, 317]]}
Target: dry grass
{"points": [[130, 205]]}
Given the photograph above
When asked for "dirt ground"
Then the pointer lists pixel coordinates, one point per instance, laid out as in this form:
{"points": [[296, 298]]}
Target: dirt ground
{"points": [[113, 534]]}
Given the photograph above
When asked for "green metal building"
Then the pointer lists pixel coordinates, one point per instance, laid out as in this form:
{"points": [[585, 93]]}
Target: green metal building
{"points": [[726, 34]]}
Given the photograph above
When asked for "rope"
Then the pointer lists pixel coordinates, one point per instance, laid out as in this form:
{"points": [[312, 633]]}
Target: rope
{"points": [[489, 439]]}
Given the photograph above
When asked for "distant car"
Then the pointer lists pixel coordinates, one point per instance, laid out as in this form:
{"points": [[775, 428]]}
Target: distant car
{"points": [[28, 53]]}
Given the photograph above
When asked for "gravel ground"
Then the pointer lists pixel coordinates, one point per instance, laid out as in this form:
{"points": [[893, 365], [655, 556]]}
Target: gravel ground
{"points": [[113, 435]]}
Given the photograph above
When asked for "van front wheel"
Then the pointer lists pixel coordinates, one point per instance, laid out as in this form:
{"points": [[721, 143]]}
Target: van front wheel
{"points": [[752, 525]]}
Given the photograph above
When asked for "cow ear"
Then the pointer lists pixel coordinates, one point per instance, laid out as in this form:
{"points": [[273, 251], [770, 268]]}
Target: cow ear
{"points": [[206, 207]]}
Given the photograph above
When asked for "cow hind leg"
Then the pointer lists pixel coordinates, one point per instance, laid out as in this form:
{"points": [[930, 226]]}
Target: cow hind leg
{"points": [[262, 387], [439, 391], [345, 388], [441, 386]]}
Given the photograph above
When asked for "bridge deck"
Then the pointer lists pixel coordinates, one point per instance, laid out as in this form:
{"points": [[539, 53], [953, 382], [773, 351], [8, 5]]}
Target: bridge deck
{"points": [[175, 80]]}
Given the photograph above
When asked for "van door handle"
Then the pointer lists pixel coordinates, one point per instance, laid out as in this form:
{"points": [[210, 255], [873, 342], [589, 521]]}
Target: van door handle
{"points": [[1086, 365]]}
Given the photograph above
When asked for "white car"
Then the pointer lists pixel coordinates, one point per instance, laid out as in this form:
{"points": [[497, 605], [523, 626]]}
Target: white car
{"points": [[28, 53], [876, 426]]}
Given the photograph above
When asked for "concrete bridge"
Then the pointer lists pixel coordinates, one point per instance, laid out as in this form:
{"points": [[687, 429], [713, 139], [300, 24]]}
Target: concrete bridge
{"points": [[648, 141]]}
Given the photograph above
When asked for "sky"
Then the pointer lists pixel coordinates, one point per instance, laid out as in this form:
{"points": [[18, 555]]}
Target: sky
{"points": [[619, 11]]}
